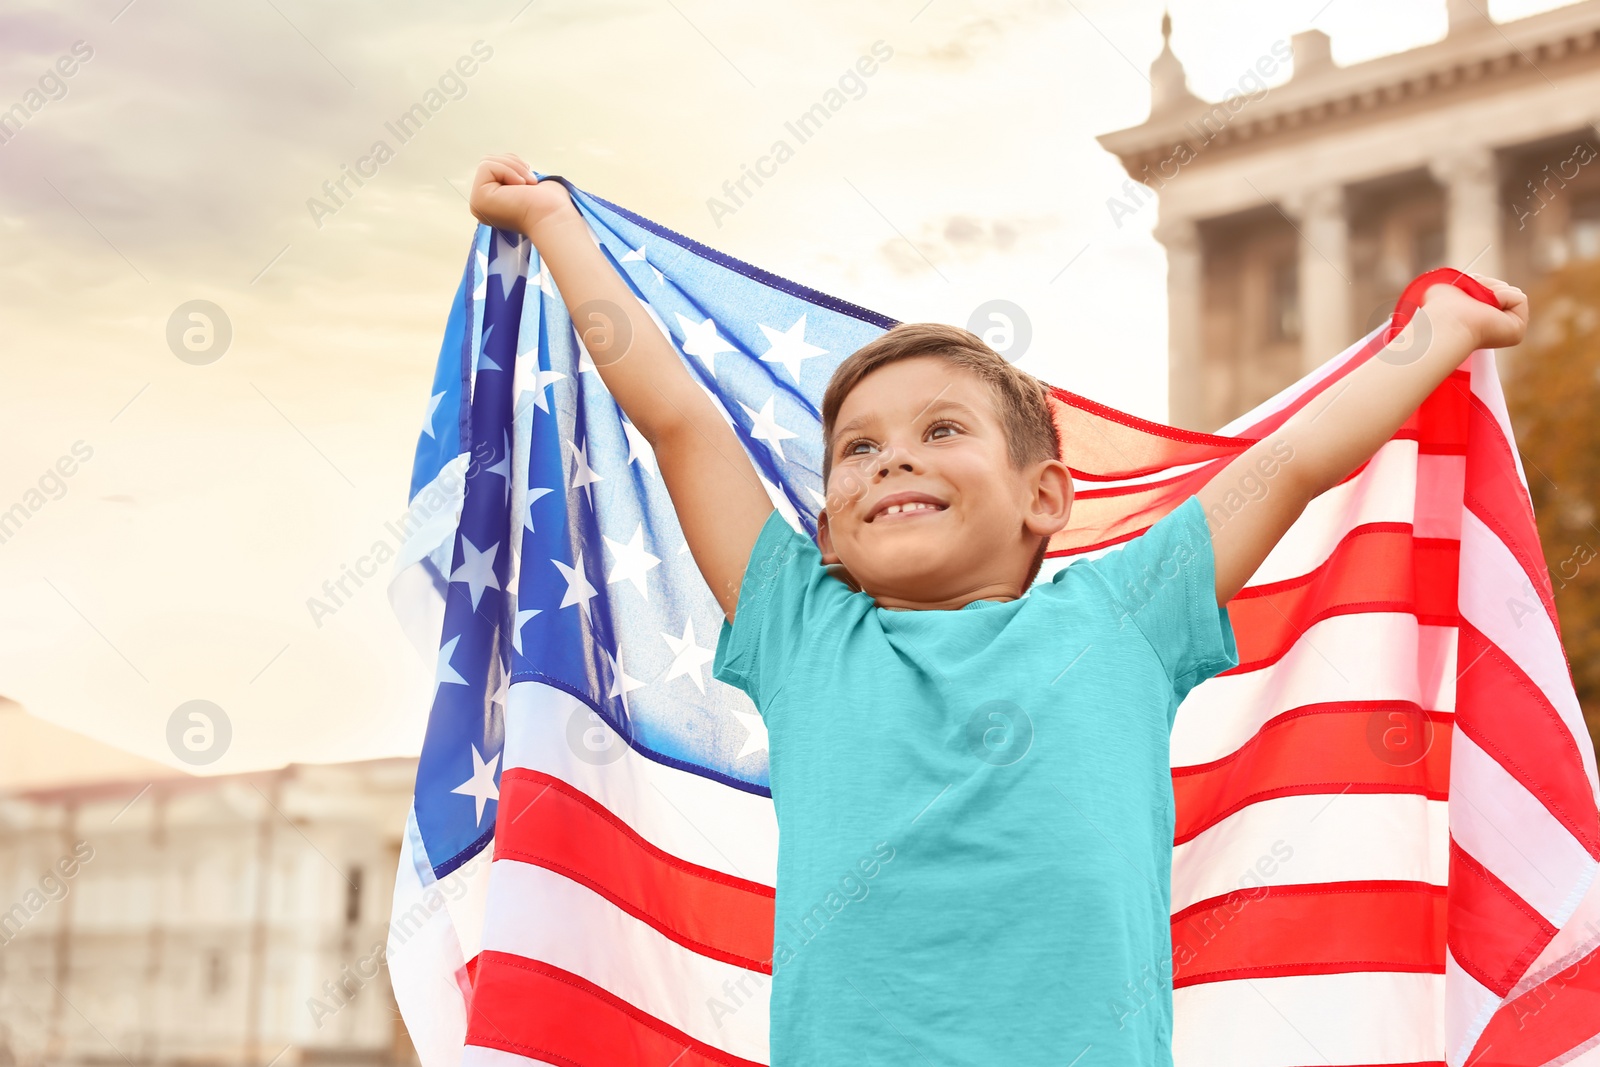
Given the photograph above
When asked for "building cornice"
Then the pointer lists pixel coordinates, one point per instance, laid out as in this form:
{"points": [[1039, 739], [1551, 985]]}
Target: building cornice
{"points": [[1474, 58]]}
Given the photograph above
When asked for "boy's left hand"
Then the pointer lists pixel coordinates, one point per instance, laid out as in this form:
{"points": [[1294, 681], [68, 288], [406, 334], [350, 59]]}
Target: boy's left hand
{"points": [[1485, 327]]}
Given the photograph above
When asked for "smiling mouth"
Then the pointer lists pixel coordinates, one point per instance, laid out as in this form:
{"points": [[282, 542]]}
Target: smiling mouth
{"points": [[906, 511]]}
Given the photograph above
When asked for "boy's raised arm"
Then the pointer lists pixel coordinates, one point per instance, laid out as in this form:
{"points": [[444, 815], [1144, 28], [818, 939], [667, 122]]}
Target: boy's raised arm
{"points": [[720, 502], [1341, 429]]}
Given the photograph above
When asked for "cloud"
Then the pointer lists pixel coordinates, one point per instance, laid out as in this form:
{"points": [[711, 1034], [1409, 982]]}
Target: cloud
{"points": [[962, 237]]}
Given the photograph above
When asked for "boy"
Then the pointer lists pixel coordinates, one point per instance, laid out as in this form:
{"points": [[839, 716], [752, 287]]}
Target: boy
{"points": [[986, 757]]}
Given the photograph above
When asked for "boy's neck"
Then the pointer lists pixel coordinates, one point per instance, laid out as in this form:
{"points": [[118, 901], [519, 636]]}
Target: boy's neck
{"points": [[896, 604]]}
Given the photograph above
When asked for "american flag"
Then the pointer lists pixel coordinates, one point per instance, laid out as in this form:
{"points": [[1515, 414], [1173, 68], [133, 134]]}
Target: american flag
{"points": [[1387, 829]]}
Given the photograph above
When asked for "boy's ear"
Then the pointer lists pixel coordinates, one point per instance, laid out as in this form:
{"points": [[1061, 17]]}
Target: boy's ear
{"points": [[830, 559], [1052, 499], [825, 539]]}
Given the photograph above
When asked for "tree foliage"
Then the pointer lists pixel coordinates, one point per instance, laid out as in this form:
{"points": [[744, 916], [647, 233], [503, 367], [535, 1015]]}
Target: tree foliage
{"points": [[1552, 385]]}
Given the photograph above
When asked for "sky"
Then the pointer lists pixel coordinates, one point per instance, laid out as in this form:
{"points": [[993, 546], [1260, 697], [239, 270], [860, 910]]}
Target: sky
{"points": [[181, 512]]}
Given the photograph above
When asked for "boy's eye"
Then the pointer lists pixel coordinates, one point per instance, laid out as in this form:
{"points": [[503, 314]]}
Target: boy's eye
{"points": [[851, 448]]}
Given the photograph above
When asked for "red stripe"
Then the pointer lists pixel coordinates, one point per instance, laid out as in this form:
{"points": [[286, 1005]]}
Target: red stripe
{"points": [[1108, 445], [1380, 746], [1547, 1021], [1321, 928], [1504, 713], [546, 822], [1375, 567], [1107, 516], [530, 1008], [1494, 934], [1496, 496]]}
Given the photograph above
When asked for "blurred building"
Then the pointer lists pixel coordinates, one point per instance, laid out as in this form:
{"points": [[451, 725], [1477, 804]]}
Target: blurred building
{"points": [[149, 916], [1293, 215]]}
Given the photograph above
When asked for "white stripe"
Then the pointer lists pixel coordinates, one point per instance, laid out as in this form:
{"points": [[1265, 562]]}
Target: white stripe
{"points": [[1441, 481], [1577, 938], [1469, 1005], [426, 965], [1486, 387], [1371, 656], [1589, 1057], [1385, 492], [1505, 828], [479, 1056], [685, 814], [1497, 598], [1372, 1017], [1284, 397], [541, 915], [1302, 840], [466, 892]]}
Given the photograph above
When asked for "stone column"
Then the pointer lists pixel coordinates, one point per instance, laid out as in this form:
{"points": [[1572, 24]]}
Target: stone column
{"points": [[1185, 395], [1471, 180], [1325, 289]]}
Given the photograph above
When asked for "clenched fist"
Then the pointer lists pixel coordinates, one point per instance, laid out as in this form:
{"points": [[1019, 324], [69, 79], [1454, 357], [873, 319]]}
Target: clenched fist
{"points": [[506, 195], [1488, 327]]}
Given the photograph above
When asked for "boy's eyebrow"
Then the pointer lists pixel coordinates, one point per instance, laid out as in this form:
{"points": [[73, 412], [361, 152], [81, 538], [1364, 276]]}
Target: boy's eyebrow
{"points": [[936, 404]]}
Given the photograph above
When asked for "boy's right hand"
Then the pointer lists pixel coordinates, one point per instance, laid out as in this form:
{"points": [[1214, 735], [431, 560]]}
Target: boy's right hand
{"points": [[506, 195]]}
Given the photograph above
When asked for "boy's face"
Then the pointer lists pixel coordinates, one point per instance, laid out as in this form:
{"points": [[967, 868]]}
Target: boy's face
{"points": [[927, 427]]}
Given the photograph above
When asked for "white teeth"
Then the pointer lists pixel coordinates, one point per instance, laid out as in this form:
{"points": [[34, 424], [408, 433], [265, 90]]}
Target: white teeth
{"points": [[916, 505]]}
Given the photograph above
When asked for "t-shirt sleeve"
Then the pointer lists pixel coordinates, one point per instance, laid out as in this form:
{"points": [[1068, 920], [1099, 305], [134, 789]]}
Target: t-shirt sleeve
{"points": [[784, 598], [1164, 582]]}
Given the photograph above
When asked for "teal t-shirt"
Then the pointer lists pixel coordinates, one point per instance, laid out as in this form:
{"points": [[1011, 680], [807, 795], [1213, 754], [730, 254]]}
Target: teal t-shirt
{"points": [[974, 806]]}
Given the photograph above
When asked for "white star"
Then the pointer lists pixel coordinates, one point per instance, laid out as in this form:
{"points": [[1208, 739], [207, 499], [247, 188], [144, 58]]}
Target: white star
{"points": [[639, 448], [655, 317], [509, 261], [483, 283], [621, 684], [579, 591], [821, 500], [477, 569], [582, 475], [443, 673], [480, 786], [585, 360], [780, 500], [535, 381], [688, 656], [503, 468], [755, 738], [433, 406], [530, 378], [516, 632], [703, 340], [542, 280], [789, 347], [716, 401], [633, 562], [533, 495], [766, 426], [638, 255]]}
